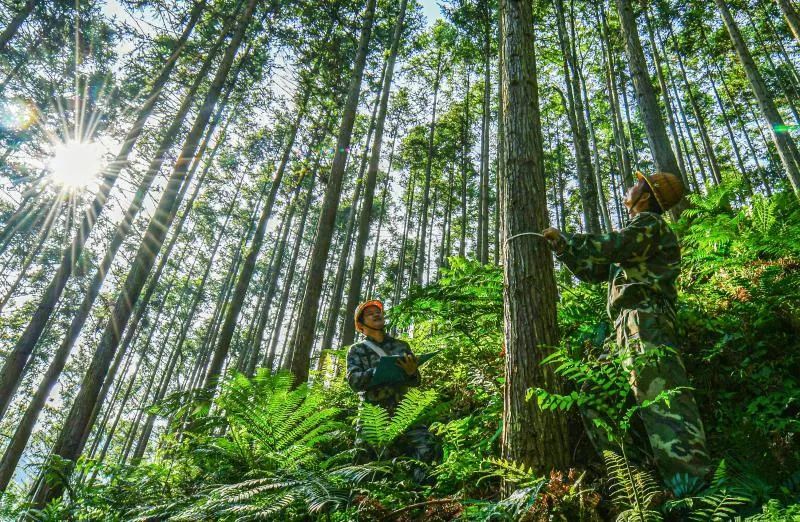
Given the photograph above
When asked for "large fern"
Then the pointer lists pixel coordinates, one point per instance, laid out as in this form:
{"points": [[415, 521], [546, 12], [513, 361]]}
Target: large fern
{"points": [[634, 491], [380, 430]]}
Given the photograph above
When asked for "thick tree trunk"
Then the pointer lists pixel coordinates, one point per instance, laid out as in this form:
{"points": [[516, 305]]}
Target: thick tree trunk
{"points": [[304, 339], [663, 157], [531, 437], [70, 441], [783, 141], [15, 362], [356, 276]]}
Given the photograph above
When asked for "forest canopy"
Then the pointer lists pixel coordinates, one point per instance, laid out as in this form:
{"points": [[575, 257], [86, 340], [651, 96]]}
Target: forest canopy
{"points": [[587, 210]]}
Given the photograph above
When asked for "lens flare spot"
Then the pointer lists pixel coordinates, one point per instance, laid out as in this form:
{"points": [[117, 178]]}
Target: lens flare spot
{"points": [[75, 164], [16, 115]]}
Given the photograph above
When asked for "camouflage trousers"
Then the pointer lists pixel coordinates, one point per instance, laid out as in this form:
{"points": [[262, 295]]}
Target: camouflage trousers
{"points": [[675, 431]]}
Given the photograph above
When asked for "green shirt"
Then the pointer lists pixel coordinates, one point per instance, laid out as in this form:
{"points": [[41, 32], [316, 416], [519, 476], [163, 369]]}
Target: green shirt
{"points": [[641, 263]]}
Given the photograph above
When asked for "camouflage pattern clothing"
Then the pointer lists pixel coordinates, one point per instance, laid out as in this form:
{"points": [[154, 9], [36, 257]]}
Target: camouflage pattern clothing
{"points": [[417, 443], [641, 263], [361, 363]]}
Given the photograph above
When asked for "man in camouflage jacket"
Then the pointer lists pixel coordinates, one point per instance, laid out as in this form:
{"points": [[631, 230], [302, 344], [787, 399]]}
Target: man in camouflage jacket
{"points": [[362, 360], [641, 263]]}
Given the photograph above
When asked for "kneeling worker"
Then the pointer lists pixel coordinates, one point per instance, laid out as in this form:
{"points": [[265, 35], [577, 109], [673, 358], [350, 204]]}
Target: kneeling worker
{"points": [[641, 263]]}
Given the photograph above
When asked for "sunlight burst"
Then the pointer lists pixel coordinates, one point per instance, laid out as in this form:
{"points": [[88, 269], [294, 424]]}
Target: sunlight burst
{"points": [[75, 164]]}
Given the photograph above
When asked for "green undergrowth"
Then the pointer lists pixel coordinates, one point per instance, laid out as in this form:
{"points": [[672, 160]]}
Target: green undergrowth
{"points": [[271, 451]]}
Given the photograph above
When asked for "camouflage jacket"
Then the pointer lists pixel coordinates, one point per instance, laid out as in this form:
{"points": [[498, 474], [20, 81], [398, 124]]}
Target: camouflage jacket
{"points": [[641, 263], [361, 364]]}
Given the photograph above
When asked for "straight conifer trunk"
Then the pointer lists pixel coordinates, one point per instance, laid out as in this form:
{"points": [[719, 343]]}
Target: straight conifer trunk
{"points": [[13, 369], [70, 441], [783, 142], [792, 18], [663, 157], [531, 437], [304, 338], [356, 276]]}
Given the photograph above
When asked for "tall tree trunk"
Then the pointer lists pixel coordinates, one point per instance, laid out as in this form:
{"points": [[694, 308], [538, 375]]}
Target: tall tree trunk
{"points": [[786, 147], [573, 101], [269, 356], [426, 191], [623, 159], [334, 309], [12, 371], [246, 274], [531, 436], [663, 157], [792, 18], [729, 128], [354, 289], [384, 193], [270, 288], [70, 441], [304, 338], [184, 330], [401, 265], [465, 163], [483, 201], [665, 93], [14, 24], [743, 129], [716, 175]]}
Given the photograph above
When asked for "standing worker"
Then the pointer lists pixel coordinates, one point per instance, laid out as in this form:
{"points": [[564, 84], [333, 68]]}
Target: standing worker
{"points": [[641, 263]]}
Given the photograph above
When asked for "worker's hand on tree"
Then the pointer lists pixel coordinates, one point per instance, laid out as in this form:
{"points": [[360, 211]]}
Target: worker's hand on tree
{"points": [[408, 363], [554, 238]]}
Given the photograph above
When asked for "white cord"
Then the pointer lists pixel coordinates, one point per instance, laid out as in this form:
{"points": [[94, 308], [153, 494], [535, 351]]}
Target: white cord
{"points": [[526, 234]]}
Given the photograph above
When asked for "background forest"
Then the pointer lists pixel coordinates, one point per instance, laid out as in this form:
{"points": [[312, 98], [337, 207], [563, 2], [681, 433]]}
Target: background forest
{"points": [[196, 194]]}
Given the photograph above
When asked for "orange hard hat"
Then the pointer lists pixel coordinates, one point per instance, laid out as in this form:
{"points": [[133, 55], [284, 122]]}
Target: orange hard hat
{"points": [[667, 188], [363, 306]]}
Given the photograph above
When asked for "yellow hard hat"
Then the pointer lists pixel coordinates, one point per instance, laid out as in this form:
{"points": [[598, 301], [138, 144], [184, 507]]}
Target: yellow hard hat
{"points": [[667, 188], [363, 306]]}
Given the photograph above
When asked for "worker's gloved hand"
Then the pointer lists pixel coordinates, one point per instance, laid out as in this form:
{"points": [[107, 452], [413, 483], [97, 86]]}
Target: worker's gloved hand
{"points": [[554, 238], [408, 363]]}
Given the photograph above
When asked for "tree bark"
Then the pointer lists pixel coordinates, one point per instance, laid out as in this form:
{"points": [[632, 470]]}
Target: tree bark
{"points": [[304, 338], [531, 437], [573, 104], [783, 142], [792, 18], [13, 369], [663, 157], [70, 441], [13, 26], [246, 274], [356, 276], [419, 258]]}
